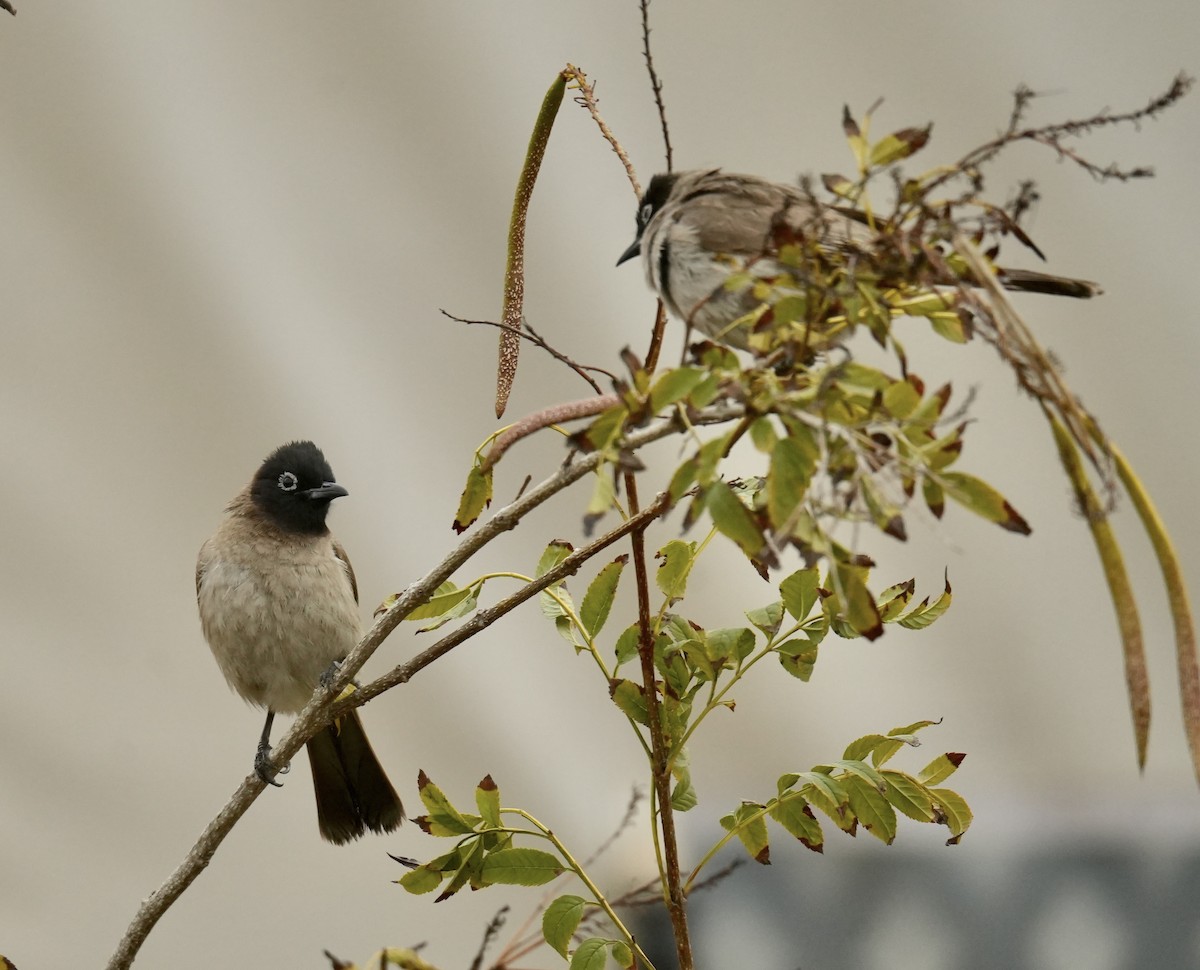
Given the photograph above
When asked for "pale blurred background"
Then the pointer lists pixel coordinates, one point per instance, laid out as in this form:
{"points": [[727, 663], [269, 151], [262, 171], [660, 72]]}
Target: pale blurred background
{"points": [[225, 225]]}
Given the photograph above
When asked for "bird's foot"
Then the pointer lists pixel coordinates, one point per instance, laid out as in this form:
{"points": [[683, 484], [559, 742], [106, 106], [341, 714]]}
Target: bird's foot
{"points": [[265, 768], [330, 674]]}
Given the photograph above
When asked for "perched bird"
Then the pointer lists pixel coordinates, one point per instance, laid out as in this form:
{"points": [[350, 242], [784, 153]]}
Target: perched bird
{"points": [[696, 229], [279, 608]]}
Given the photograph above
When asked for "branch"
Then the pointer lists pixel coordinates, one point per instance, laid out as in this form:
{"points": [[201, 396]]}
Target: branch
{"points": [[1052, 135], [321, 708], [535, 338], [660, 768], [655, 83], [587, 98]]}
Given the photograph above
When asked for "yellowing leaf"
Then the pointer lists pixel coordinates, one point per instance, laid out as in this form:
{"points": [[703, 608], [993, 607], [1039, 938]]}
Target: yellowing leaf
{"points": [[672, 574], [792, 463], [940, 768], [978, 496], [953, 808], [476, 496], [749, 823], [899, 145]]}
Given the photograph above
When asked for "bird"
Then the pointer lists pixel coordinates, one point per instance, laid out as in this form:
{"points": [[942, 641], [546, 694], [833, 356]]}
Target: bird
{"points": [[278, 606], [697, 229]]}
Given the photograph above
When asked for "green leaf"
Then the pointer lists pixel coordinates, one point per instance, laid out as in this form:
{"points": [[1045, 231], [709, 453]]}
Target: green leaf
{"points": [[521, 867], [444, 599], [953, 808], [799, 591], [560, 920], [767, 618], [798, 657], [858, 605], [674, 386], [683, 797], [471, 856], [909, 795], [733, 519], [949, 326], [443, 818], [872, 808], [858, 749], [729, 645], [683, 479], [749, 823], [476, 496], [604, 430], [883, 752], [884, 513], [604, 495], [793, 460], [487, 800], [901, 399], [552, 555], [824, 792], [597, 602], [940, 768], [627, 643], [925, 615], [631, 699], [891, 601], [862, 770], [590, 955], [763, 434], [621, 954], [793, 813], [934, 497], [672, 574], [421, 880], [978, 496]]}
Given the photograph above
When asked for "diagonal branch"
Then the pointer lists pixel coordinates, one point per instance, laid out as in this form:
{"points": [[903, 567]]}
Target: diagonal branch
{"points": [[321, 708]]}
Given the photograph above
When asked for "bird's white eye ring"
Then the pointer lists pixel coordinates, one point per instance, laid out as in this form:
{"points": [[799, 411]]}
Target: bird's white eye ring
{"points": [[646, 213], [288, 482]]}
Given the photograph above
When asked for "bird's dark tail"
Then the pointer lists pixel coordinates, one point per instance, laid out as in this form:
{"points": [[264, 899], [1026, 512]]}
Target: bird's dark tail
{"points": [[1030, 282], [353, 792]]}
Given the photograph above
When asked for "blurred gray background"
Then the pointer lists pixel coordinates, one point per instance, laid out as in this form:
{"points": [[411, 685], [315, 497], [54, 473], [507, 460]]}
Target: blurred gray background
{"points": [[223, 226]]}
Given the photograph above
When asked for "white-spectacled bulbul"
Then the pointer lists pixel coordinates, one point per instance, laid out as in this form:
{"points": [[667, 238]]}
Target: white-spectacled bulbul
{"points": [[279, 607], [696, 229]]}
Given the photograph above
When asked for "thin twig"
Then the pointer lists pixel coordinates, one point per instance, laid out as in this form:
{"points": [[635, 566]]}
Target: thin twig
{"points": [[528, 333], [655, 83], [5, 5], [494, 926], [1052, 135], [587, 98]]}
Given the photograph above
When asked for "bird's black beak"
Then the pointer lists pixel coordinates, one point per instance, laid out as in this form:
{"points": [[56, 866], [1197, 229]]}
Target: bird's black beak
{"points": [[327, 492], [632, 251]]}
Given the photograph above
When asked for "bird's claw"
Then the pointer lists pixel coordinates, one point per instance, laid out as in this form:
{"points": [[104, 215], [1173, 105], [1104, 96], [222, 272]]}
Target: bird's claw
{"points": [[265, 768], [330, 674]]}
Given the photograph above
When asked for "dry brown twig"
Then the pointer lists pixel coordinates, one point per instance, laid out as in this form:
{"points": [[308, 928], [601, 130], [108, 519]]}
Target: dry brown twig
{"points": [[526, 332]]}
